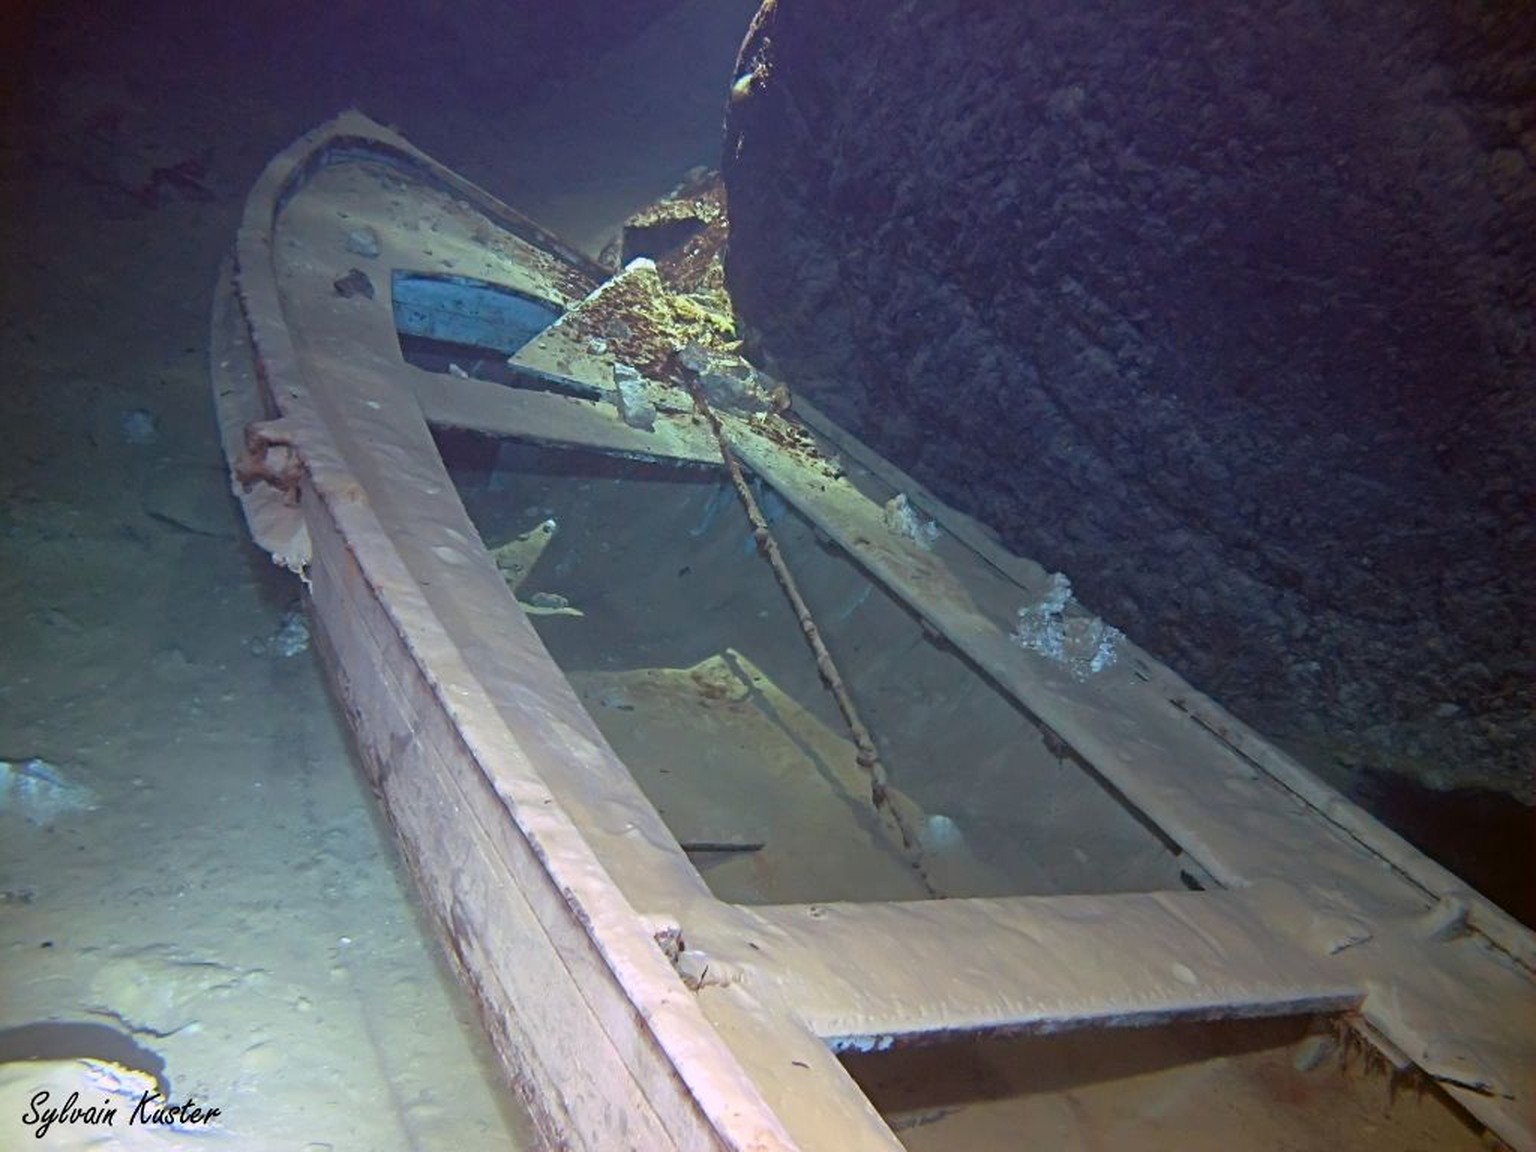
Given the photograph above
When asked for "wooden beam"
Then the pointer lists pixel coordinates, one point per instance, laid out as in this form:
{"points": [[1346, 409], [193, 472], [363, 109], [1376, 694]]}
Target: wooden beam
{"points": [[866, 976]]}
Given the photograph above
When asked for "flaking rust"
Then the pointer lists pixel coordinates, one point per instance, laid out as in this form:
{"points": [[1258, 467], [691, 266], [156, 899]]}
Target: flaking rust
{"points": [[678, 302]]}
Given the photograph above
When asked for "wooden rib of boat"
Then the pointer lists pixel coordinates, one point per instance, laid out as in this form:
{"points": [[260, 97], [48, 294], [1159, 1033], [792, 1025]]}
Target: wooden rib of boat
{"points": [[655, 968]]}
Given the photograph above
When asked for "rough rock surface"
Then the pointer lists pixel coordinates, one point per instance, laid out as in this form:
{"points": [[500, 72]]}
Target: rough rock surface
{"points": [[1225, 312]]}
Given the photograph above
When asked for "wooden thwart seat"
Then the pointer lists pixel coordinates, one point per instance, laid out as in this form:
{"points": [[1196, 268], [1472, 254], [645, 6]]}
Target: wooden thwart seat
{"points": [[1030, 964]]}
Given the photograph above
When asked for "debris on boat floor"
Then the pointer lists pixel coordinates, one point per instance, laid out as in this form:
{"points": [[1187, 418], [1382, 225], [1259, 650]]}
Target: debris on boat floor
{"points": [[515, 560], [667, 316]]}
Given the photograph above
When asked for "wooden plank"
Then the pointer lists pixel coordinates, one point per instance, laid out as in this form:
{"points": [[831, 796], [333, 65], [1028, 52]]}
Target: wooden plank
{"points": [[1030, 964], [477, 882], [560, 421]]}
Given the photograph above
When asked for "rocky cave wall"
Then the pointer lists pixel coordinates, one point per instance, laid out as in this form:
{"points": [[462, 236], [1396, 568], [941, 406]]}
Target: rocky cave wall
{"points": [[1223, 310]]}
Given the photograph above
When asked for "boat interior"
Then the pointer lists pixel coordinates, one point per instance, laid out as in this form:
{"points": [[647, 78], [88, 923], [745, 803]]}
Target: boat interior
{"points": [[692, 665]]}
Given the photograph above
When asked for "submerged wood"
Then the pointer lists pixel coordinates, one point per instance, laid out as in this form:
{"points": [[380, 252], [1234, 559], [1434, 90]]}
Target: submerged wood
{"points": [[868, 755], [627, 1004]]}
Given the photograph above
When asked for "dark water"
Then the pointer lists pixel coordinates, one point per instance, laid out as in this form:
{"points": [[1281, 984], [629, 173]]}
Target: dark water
{"points": [[1486, 838]]}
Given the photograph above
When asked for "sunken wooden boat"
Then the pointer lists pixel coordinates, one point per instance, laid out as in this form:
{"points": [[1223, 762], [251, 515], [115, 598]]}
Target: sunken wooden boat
{"points": [[732, 763]]}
